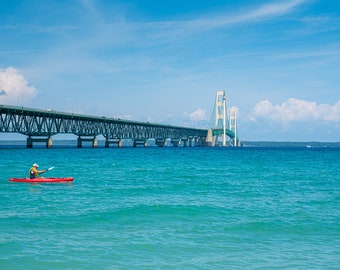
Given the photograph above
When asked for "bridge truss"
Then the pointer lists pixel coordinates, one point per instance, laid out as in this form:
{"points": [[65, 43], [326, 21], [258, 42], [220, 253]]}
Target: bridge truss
{"points": [[40, 125]]}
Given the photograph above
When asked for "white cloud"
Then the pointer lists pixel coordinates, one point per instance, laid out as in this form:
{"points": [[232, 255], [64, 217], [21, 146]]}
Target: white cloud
{"points": [[296, 110], [159, 30], [14, 88], [198, 115], [277, 8], [256, 13]]}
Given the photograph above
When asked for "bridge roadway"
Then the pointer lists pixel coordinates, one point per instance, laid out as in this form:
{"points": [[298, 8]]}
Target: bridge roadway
{"points": [[41, 125]]}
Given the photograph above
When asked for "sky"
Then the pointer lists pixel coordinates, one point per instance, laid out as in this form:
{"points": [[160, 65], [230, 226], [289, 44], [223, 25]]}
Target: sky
{"points": [[278, 62]]}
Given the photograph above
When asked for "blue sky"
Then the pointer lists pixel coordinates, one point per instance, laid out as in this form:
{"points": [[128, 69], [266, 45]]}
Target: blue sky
{"points": [[163, 61]]}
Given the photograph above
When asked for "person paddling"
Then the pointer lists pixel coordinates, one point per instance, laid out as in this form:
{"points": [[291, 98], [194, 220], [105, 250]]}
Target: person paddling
{"points": [[34, 172]]}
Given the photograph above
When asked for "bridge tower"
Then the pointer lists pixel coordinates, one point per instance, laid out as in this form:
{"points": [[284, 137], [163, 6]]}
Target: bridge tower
{"points": [[221, 114], [218, 120], [222, 123], [233, 124]]}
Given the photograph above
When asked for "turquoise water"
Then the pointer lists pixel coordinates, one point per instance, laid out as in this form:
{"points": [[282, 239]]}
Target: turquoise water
{"points": [[172, 208]]}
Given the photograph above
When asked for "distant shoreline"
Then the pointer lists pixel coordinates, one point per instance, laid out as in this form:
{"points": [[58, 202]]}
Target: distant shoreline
{"points": [[246, 144], [290, 144]]}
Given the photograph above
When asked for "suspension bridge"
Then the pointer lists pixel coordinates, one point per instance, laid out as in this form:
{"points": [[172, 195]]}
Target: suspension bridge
{"points": [[40, 125], [223, 123]]}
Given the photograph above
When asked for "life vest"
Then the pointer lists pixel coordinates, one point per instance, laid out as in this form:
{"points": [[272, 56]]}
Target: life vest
{"points": [[33, 174]]}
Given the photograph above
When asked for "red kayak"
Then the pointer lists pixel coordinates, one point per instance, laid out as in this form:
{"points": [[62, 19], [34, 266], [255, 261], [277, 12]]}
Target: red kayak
{"points": [[42, 180]]}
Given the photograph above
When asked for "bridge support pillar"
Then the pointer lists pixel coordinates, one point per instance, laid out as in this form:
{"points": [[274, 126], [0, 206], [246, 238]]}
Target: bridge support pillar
{"points": [[137, 142], [175, 142], [30, 141], [49, 142], [210, 140], [160, 142], [185, 141], [190, 142], [200, 141], [80, 141], [95, 142], [113, 141]]}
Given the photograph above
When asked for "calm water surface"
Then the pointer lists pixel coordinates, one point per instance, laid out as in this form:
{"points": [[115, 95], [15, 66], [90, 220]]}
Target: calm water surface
{"points": [[172, 208]]}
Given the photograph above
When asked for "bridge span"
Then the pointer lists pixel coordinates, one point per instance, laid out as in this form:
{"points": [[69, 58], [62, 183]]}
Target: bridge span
{"points": [[41, 125]]}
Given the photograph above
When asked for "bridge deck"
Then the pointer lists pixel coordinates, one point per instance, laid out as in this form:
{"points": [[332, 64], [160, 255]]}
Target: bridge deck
{"points": [[46, 123]]}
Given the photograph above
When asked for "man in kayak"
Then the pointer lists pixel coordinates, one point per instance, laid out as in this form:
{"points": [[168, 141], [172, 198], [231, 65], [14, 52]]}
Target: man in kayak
{"points": [[34, 172]]}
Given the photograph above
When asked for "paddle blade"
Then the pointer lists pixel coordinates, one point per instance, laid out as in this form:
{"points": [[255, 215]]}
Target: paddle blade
{"points": [[51, 168]]}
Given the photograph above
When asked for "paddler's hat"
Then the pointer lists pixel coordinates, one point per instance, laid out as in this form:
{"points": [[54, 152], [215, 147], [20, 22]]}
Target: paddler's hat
{"points": [[35, 165]]}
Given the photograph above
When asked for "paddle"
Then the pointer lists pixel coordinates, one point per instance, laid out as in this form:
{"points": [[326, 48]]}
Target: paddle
{"points": [[50, 168]]}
